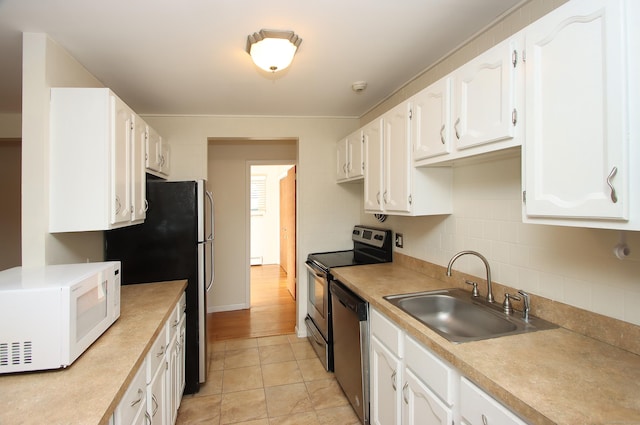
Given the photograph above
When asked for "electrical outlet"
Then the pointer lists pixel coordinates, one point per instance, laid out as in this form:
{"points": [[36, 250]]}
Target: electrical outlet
{"points": [[399, 240]]}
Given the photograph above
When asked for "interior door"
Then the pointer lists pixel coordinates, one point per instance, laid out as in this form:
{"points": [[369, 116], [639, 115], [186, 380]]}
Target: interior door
{"points": [[288, 228]]}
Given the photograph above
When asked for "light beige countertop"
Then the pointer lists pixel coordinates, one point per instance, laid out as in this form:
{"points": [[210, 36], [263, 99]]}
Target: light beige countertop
{"points": [[88, 391], [554, 376]]}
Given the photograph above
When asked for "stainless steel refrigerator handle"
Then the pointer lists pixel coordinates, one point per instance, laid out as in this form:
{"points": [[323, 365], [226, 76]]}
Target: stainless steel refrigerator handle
{"points": [[210, 238], [211, 235]]}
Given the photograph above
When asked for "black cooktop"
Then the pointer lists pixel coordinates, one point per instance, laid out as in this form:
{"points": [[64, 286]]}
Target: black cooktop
{"points": [[328, 260]]}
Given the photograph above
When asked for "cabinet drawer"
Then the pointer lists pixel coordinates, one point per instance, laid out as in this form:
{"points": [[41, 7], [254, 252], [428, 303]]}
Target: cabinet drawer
{"points": [[156, 353], [477, 407], [438, 375], [173, 321], [134, 399], [387, 332]]}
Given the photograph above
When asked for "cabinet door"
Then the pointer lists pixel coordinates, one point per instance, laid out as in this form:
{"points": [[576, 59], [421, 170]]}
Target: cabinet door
{"points": [[342, 159], [430, 129], [576, 137], [484, 95], [386, 376], [156, 397], [120, 161], [373, 143], [397, 150], [153, 147], [138, 179], [355, 151], [420, 405]]}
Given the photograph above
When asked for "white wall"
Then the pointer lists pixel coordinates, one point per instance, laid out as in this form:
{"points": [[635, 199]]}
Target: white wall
{"points": [[265, 227], [320, 200], [46, 65]]}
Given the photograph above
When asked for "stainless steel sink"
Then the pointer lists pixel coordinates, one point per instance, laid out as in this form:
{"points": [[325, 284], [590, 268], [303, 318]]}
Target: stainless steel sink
{"points": [[456, 316]]}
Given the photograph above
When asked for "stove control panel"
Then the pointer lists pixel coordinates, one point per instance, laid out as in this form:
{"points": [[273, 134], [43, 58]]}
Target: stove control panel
{"points": [[370, 236]]}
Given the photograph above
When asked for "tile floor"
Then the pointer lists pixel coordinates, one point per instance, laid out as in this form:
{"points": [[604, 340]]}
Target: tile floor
{"points": [[275, 380]]}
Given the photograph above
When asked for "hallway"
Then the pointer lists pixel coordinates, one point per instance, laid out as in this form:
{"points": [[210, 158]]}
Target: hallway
{"points": [[272, 312]]}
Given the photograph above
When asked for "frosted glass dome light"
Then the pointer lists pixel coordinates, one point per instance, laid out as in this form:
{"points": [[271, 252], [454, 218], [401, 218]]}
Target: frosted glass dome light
{"points": [[273, 50]]}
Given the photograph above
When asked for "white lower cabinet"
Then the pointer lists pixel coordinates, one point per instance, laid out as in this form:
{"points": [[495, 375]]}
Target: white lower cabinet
{"points": [[411, 385], [133, 406], [479, 408], [154, 395], [400, 379]]}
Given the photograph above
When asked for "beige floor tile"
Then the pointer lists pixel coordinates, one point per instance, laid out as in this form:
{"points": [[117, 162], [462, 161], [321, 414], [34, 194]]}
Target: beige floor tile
{"points": [[307, 418], [216, 361], [281, 373], [243, 406], [293, 338], [199, 410], [213, 384], [241, 358], [303, 350], [326, 393], [343, 415], [276, 353], [256, 422], [287, 400], [312, 370], [242, 378], [273, 340], [239, 344]]}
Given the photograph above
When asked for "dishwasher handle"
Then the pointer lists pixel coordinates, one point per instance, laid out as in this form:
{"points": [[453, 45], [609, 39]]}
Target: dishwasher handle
{"points": [[348, 299]]}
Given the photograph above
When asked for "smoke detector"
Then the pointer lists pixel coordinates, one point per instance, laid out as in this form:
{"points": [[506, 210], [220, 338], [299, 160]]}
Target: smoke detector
{"points": [[359, 86]]}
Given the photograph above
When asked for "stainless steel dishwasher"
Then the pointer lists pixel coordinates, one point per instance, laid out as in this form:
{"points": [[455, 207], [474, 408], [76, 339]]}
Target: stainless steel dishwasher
{"points": [[351, 347]]}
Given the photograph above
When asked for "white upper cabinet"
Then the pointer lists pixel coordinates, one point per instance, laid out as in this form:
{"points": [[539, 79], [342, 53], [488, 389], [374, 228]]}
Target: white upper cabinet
{"points": [[372, 136], [578, 158], [431, 121], [96, 161], [485, 97], [391, 184], [157, 154], [350, 158], [475, 110]]}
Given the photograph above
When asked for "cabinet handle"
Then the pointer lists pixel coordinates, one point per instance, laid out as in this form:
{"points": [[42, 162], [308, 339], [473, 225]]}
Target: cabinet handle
{"points": [[155, 405], [146, 205], [118, 205], [161, 352], [378, 198], [393, 380], [404, 393], [612, 174], [140, 395], [410, 200], [514, 116], [514, 58], [455, 127], [442, 134], [147, 418], [485, 421], [344, 168], [384, 197]]}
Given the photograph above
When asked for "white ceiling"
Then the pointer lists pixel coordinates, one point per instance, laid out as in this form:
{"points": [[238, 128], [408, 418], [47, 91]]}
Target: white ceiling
{"points": [[188, 56]]}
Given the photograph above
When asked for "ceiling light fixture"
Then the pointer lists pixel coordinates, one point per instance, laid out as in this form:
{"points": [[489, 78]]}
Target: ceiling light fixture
{"points": [[273, 50]]}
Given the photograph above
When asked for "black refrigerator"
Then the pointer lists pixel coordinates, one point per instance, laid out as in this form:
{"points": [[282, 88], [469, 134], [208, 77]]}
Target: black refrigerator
{"points": [[174, 242]]}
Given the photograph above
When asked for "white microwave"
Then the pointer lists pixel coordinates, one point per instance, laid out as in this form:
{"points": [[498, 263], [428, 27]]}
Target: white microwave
{"points": [[50, 315]]}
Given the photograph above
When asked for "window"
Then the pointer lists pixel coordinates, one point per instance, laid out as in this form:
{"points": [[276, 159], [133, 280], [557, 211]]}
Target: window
{"points": [[258, 194]]}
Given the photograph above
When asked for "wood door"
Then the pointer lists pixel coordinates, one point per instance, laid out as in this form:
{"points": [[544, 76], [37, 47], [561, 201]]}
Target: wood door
{"points": [[288, 228]]}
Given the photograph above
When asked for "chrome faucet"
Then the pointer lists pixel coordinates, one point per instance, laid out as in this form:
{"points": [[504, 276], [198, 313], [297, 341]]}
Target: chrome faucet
{"points": [[486, 265]]}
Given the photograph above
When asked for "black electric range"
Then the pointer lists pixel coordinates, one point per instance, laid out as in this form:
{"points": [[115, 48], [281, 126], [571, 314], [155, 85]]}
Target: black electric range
{"points": [[370, 246]]}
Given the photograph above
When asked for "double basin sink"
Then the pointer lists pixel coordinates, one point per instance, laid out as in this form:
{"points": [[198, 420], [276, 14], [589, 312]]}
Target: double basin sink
{"points": [[456, 316]]}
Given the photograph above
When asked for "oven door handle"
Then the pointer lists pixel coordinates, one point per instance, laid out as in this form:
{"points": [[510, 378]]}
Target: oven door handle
{"points": [[315, 271], [313, 334]]}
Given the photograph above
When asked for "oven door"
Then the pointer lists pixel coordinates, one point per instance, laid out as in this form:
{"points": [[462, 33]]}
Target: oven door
{"points": [[318, 299]]}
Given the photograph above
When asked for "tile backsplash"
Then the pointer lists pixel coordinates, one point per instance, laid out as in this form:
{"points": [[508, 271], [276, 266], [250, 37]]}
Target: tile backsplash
{"points": [[575, 266]]}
